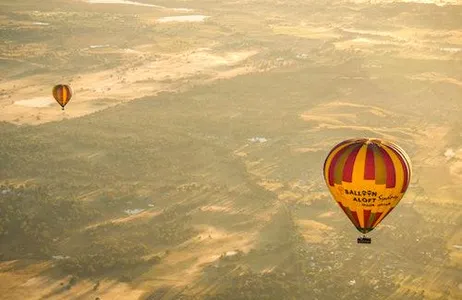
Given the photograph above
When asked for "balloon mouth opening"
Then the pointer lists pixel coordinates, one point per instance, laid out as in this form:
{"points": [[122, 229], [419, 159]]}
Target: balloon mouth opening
{"points": [[365, 230]]}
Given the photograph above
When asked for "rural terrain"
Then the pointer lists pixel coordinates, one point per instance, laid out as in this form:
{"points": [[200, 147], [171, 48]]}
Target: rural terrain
{"points": [[188, 163]]}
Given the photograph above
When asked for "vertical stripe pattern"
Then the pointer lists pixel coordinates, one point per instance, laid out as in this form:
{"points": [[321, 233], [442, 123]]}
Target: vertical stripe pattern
{"points": [[367, 178], [378, 165], [62, 94], [369, 170]]}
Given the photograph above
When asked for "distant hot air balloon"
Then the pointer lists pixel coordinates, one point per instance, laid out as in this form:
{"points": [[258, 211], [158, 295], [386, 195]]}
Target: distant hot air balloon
{"points": [[62, 94], [367, 178]]}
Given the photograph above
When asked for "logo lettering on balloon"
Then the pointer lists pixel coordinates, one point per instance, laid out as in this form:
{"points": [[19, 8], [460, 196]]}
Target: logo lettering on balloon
{"points": [[369, 198], [361, 193]]}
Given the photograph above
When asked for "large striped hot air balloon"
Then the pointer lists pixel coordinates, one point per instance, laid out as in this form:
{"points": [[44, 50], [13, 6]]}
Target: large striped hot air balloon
{"points": [[62, 94], [367, 178]]}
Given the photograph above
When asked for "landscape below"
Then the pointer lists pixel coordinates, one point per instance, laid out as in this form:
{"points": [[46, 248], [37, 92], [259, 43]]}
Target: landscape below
{"points": [[188, 165]]}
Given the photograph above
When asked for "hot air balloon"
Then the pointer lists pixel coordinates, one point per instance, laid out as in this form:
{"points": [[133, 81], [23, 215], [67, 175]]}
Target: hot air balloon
{"points": [[62, 94], [367, 178]]}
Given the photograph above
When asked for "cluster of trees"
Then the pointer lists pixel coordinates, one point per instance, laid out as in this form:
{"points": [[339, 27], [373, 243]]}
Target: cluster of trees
{"points": [[271, 285], [104, 256], [282, 232], [307, 271], [305, 274], [31, 220], [124, 245], [171, 227], [285, 285]]}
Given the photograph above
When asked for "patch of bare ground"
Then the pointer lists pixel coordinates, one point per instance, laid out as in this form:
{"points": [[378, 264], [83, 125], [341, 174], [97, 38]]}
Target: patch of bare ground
{"points": [[137, 77]]}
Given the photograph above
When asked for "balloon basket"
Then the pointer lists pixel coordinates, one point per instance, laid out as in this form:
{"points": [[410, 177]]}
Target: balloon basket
{"points": [[364, 240]]}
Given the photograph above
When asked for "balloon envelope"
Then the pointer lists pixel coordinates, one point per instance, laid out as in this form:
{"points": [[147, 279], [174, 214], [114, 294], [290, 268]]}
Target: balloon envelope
{"points": [[367, 178], [62, 94]]}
